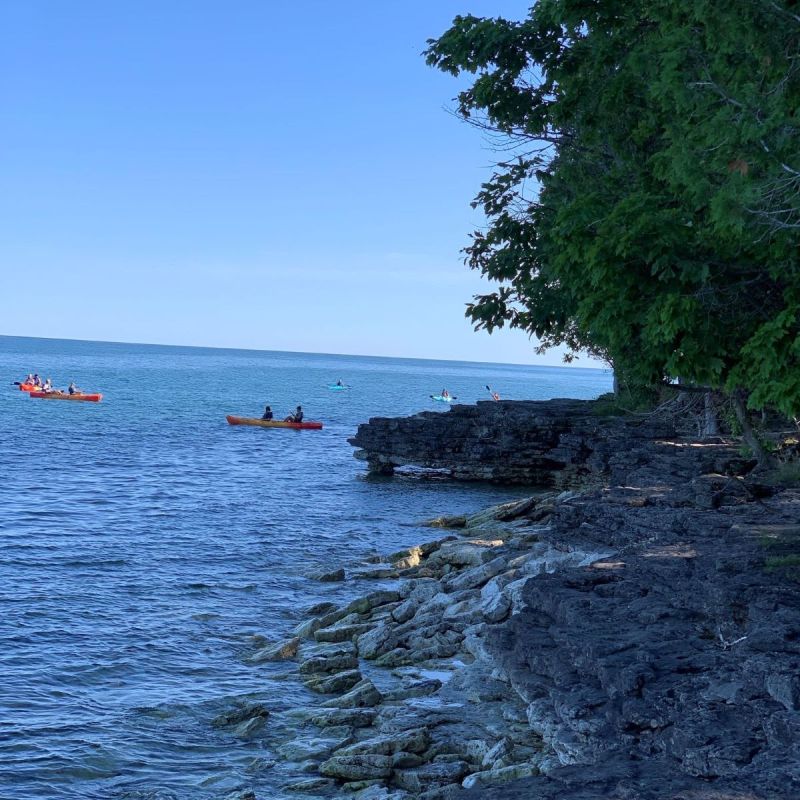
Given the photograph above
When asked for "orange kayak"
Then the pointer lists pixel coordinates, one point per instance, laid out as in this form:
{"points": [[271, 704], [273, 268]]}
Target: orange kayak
{"points": [[273, 423], [28, 387], [90, 398]]}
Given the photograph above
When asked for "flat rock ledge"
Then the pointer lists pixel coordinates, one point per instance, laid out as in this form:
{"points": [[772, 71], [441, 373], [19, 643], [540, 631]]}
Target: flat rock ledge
{"points": [[639, 642], [551, 444]]}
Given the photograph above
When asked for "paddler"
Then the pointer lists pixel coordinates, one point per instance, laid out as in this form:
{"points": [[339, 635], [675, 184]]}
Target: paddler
{"points": [[47, 386], [297, 416], [73, 389], [445, 393], [267, 413]]}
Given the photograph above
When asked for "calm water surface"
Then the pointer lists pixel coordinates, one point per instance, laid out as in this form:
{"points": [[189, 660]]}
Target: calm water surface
{"points": [[147, 545]]}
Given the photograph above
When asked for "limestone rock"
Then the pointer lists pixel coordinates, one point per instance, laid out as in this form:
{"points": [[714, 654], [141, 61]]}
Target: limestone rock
{"points": [[357, 767]]}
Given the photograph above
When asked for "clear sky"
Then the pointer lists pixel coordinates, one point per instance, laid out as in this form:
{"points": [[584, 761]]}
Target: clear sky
{"points": [[247, 173]]}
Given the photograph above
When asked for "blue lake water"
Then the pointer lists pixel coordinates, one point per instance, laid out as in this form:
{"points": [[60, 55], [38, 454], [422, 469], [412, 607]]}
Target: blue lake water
{"points": [[147, 545]]}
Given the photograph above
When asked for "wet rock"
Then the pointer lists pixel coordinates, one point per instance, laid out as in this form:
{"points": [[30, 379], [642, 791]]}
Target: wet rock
{"points": [[333, 576], [357, 767], [429, 776], [493, 777], [416, 689], [309, 785], [320, 609], [333, 684], [242, 713], [352, 717], [362, 695], [341, 632], [363, 605], [413, 741], [303, 749], [278, 651], [501, 751], [243, 794], [305, 630], [333, 662], [458, 521], [477, 576], [472, 552]]}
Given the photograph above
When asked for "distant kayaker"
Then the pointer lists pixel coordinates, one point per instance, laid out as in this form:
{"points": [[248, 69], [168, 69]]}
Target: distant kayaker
{"points": [[339, 382], [73, 389], [37, 381], [297, 416], [47, 386], [445, 393], [267, 413], [29, 379]]}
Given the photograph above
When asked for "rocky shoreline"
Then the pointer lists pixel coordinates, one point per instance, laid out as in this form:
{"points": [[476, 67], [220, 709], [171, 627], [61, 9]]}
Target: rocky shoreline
{"points": [[640, 640]]}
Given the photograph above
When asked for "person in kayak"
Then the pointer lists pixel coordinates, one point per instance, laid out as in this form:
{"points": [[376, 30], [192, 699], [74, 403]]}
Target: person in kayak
{"points": [[47, 386], [445, 393], [28, 379], [339, 382], [73, 389], [267, 413], [37, 381], [297, 416]]}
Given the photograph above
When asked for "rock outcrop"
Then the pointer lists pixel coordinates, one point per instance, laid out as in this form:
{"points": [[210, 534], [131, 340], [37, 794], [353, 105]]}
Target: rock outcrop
{"points": [[551, 443], [633, 641]]}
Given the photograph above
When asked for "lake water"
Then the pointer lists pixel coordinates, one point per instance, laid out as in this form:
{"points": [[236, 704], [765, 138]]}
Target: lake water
{"points": [[147, 544]]}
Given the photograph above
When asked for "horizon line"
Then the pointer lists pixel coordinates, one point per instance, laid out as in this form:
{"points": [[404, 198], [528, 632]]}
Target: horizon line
{"points": [[301, 352]]}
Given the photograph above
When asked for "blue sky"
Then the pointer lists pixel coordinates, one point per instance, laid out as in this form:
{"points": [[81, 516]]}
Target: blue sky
{"points": [[241, 174]]}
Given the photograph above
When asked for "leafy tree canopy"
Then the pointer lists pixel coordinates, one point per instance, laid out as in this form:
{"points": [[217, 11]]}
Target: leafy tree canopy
{"points": [[649, 207]]}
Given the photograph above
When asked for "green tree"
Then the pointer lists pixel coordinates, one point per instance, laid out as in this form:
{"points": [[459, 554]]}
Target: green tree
{"points": [[650, 209]]}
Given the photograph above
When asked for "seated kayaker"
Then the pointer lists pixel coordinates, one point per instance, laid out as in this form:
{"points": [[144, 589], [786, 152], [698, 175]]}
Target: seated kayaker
{"points": [[37, 381], [28, 379], [47, 386], [267, 413], [297, 416], [73, 389], [339, 382], [445, 393]]}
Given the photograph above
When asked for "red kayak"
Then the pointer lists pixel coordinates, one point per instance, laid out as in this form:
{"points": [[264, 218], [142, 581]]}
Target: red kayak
{"points": [[273, 423], [28, 387], [89, 398]]}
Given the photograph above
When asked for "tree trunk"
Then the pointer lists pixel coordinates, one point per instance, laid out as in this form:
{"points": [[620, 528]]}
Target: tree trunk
{"points": [[710, 421], [765, 461]]}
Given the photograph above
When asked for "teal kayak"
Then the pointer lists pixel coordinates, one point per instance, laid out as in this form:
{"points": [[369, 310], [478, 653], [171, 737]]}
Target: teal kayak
{"points": [[335, 387], [441, 399]]}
